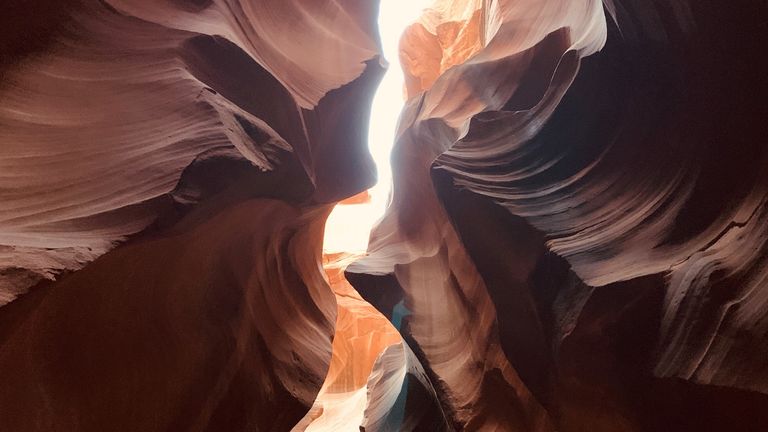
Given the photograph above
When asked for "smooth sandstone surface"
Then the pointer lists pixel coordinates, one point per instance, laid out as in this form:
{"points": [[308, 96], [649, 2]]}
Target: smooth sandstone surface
{"points": [[576, 238]]}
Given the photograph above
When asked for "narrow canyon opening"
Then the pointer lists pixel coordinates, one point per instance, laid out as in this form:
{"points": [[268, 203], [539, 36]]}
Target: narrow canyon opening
{"points": [[568, 230], [350, 223], [362, 332]]}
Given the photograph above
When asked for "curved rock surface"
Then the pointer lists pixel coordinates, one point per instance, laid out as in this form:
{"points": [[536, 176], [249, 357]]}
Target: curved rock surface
{"points": [[166, 170], [576, 238], [592, 177], [180, 332], [99, 125]]}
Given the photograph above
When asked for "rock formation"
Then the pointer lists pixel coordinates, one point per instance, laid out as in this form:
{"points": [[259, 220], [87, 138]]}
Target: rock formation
{"points": [[593, 178], [576, 241], [171, 165]]}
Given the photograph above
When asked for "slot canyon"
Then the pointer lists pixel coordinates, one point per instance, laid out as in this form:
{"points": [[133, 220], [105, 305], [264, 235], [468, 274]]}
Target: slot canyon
{"points": [[383, 215]]}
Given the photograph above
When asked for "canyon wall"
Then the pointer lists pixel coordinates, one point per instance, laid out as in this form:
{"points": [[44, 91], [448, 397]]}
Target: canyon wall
{"points": [[576, 238], [166, 169], [578, 218]]}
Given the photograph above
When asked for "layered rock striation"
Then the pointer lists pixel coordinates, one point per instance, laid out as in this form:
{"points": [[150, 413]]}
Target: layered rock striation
{"points": [[166, 169], [577, 223], [576, 238]]}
